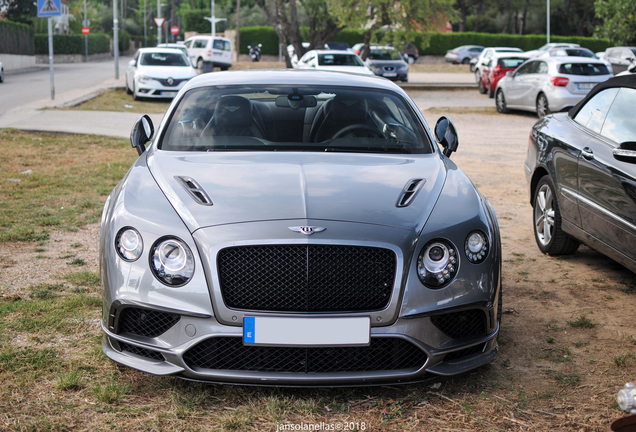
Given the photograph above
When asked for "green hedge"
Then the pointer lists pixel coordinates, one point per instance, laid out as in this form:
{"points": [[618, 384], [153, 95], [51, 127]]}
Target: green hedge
{"points": [[72, 44], [442, 42], [266, 36], [16, 38]]}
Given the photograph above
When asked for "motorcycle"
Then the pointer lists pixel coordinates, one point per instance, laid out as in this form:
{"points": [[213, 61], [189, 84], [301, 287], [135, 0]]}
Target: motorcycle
{"points": [[255, 52]]}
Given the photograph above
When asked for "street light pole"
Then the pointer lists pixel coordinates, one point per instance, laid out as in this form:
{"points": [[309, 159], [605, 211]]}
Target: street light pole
{"points": [[145, 24], [548, 22], [158, 27], [116, 39]]}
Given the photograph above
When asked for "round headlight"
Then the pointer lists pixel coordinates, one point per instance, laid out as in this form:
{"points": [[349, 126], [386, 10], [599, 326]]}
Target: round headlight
{"points": [[476, 247], [129, 244], [437, 263], [172, 262]]}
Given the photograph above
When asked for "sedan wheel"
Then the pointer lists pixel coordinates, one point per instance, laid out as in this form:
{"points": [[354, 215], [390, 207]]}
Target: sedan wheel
{"points": [[134, 93], [200, 64], [547, 222], [501, 102], [466, 61], [480, 86], [543, 109], [128, 90]]}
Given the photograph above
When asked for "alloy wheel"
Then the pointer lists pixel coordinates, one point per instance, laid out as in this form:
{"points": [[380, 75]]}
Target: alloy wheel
{"points": [[542, 106], [544, 215]]}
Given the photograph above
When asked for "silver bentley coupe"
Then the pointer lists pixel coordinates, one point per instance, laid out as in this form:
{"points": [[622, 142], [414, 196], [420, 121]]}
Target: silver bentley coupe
{"points": [[298, 228]]}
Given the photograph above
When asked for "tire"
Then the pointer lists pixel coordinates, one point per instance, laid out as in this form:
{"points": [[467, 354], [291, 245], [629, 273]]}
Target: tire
{"points": [[134, 93], [543, 108], [491, 94], [224, 68], [128, 91], [500, 306], [199, 63], [481, 88], [546, 218], [500, 101], [466, 60], [2, 75]]}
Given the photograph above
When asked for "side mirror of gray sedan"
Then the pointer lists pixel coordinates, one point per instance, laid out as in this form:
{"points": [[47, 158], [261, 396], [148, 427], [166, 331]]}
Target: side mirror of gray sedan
{"points": [[626, 152], [510, 74], [141, 133], [446, 135]]}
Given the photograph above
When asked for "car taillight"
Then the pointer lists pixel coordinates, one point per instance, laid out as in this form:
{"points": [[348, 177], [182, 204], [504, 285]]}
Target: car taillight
{"points": [[209, 52], [559, 81]]}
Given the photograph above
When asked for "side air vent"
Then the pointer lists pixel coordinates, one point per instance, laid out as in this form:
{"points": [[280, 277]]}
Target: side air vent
{"points": [[409, 192], [195, 190]]}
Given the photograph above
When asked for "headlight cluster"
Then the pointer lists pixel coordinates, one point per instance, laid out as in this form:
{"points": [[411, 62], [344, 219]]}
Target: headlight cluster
{"points": [[438, 262], [171, 260], [476, 247], [144, 79]]}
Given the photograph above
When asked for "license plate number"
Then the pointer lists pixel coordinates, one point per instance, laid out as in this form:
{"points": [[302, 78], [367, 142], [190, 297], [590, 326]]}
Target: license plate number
{"points": [[168, 93], [586, 86], [283, 331], [389, 74]]}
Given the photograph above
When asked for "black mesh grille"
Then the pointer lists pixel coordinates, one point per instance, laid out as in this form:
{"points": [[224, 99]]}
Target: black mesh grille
{"points": [[306, 278], [229, 353], [154, 355], [461, 324], [146, 322], [463, 353]]}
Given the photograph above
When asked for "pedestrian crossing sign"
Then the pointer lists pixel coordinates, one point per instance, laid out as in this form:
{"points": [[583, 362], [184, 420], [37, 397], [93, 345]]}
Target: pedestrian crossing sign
{"points": [[48, 8]]}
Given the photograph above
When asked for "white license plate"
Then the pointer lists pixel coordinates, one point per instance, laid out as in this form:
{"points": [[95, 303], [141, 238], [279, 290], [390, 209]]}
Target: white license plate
{"points": [[283, 331], [168, 94], [389, 74], [586, 86]]}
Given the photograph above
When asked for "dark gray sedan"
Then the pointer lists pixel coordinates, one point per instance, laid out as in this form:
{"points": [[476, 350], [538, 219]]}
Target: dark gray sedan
{"points": [[298, 228], [581, 166], [387, 62]]}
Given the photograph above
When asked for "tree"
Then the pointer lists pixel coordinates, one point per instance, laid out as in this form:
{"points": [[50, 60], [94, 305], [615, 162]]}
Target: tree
{"points": [[619, 21], [21, 11], [400, 17]]}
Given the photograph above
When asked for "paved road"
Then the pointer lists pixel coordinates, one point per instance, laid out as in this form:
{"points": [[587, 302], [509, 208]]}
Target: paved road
{"points": [[23, 88]]}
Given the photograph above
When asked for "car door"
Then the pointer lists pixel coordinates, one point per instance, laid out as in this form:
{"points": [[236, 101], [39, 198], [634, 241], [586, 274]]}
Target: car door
{"points": [[607, 186], [519, 85], [532, 83]]}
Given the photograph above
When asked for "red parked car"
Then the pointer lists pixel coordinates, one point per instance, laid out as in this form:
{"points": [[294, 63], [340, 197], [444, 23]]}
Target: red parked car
{"points": [[496, 69]]}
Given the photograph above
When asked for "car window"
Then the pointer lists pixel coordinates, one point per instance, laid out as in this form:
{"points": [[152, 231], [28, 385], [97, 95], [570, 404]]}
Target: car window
{"points": [[510, 63], [579, 52], [347, 119], [384, 54], [200, 43], [476, 49], [163, 59], [593, 113], [614, 54], [188, 43], [627, 54], [527, 68], [586, 69], [542, 68], [619, 124], [218, 44], [339, 60]]}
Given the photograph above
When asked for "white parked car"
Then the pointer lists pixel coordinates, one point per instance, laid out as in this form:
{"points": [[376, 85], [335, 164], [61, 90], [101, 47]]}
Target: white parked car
{"points": [[550, 46], [549, 84], [485, 56], [575, 52], [158, 73], [333, 60], [210, 51]]}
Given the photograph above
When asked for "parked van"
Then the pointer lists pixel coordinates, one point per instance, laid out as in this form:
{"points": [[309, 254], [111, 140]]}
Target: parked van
{"points": [[210, 51]]}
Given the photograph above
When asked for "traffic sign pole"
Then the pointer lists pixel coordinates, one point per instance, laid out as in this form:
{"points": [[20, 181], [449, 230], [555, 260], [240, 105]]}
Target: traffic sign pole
{"points": [[50, 19], [85, 36], [49, 9]]}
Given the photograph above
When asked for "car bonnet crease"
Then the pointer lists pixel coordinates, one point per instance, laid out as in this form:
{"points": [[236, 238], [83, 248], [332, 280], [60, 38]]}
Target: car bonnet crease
{"points": [[251, 186]]}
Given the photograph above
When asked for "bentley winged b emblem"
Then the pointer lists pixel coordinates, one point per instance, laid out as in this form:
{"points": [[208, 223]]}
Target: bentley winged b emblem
{"points": [[307, 230]]}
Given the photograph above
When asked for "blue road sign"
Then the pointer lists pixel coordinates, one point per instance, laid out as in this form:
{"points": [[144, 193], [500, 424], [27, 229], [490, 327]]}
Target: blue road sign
{"points": [[48, 8]]}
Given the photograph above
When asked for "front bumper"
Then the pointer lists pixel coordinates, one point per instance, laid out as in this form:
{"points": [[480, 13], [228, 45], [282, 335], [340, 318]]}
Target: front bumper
{"points": [[405, 351], [154, 89], [559, 98]]}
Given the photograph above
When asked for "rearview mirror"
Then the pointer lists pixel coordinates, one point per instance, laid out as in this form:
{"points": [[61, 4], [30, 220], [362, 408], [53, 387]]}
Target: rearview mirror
{"points": [[626, 152], [446, 135], [141, 133]]}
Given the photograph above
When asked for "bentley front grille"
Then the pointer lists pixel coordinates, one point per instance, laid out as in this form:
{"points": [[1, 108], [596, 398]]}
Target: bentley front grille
{"points": [[307, 278], [229, 353], [460, 324]]}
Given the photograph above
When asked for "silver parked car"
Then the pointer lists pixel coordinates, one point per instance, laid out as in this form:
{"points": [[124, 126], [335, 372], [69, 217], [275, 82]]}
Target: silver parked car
{"points": [[298, 228], [463, 54], [549, 84]]}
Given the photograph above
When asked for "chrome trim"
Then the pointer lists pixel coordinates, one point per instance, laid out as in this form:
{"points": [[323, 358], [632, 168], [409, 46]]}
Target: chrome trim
{"points": [[599, 208]]}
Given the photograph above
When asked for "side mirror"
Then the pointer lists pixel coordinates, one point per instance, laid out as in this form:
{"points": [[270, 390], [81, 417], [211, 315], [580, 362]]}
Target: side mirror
{"points": [[141, 133], [446, 135], [132, 63], [510, 74], [626, 152], [631, 69]]}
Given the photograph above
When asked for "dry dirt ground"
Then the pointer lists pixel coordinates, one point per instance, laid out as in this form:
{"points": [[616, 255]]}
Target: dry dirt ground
{"points": [[567, 342]]}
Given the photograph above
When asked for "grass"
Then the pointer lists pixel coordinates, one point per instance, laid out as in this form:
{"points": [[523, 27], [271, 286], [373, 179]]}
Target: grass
{"points": [[72, 175], [119, 101], [582, 321], [83, 279]]}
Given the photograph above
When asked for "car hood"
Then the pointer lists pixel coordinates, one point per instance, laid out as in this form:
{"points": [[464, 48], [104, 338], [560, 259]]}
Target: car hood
{"points": [[176, 72], [262, 186]]}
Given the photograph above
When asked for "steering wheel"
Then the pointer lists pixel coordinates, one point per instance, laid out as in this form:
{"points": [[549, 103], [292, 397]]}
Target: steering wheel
{"points": [[361, 127]]}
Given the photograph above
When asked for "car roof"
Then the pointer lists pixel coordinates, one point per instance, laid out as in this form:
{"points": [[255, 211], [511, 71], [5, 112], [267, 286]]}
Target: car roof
{"points": [[333, 51], [569, 59], [628, 81], [291, 77], [161, 49]]}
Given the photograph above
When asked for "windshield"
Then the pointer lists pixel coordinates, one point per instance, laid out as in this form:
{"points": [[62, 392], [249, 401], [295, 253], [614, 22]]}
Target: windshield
{"points": [[583, 69], [339, 60], [384, 54], [303, 118], [163, 59]]}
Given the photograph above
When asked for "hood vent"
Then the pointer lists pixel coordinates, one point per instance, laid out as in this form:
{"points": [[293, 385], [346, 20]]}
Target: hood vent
{"points": [[409, 192], [195, 190]]}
